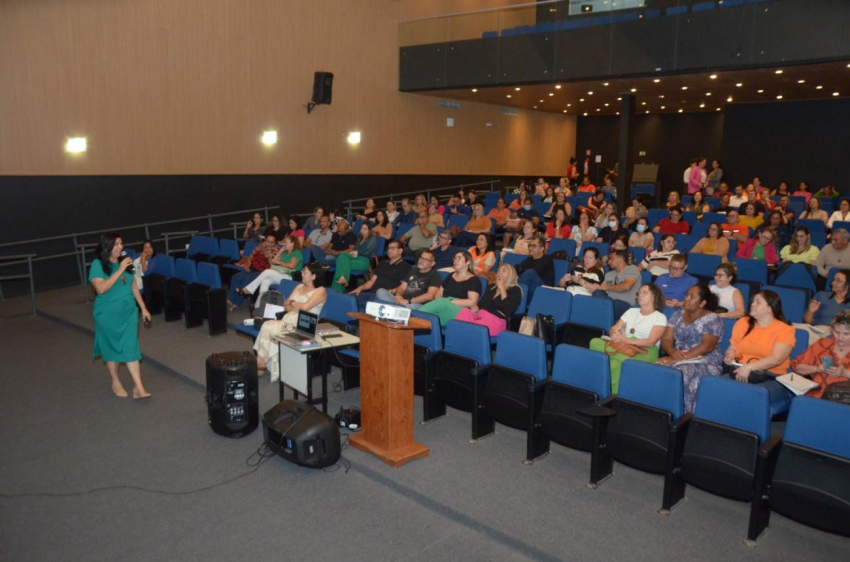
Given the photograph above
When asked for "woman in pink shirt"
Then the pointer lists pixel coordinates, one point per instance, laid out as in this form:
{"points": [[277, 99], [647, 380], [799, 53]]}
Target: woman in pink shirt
{"points": [[803, 191]]}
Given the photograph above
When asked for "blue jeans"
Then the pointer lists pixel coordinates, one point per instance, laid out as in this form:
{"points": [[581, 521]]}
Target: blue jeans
{"points": [[320, 257]]}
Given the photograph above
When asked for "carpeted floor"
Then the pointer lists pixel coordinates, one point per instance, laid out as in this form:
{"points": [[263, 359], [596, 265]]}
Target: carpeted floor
{"points": [[66, 433]]}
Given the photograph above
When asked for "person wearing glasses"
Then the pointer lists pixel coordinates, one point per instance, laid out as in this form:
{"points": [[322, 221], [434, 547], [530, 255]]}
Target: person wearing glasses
{"points": [[760, 248], [538, 269], [420, 286], [676, 283], [730, 300], [388, 275]]}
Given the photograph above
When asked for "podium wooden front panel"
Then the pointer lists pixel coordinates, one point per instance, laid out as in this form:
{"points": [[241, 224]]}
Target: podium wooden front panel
{"points": [[386, 390]]}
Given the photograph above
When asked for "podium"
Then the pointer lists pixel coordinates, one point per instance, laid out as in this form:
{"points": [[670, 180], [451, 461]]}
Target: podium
{"points": [[386, 390]]}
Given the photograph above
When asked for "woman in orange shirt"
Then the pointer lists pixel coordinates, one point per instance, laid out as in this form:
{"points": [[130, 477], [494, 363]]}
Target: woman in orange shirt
{"points": [[763, 341], [483, 256], [827, 361]]}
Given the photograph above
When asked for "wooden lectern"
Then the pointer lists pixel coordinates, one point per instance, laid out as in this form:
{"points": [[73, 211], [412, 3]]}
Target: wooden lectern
{"points": [[386, 390]]}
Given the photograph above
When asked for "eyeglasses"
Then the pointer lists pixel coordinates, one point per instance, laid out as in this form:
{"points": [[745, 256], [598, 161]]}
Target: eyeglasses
{"points": [[423, 258]]}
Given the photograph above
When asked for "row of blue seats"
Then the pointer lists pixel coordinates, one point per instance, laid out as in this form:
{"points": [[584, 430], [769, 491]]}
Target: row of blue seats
{"points": [[183, 287]]}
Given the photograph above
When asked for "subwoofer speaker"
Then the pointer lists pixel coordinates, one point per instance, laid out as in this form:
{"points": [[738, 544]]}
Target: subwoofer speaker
{"points": [[323, 87], [232, 398]]}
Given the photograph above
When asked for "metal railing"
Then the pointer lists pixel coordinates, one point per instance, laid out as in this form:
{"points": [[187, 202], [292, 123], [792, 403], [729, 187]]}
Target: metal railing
{"points": [[349, 203], [17, 260]]}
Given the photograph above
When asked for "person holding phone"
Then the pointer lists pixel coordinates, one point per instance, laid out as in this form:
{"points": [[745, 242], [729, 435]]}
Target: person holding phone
{"points": [[116, 313]]}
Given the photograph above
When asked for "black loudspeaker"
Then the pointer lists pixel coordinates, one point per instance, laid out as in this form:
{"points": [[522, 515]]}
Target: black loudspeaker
{"points": [[232, 399], [302, 434], [323, 83]]}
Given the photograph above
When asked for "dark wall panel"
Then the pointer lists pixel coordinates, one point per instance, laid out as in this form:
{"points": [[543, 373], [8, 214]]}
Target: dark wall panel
{"points": [[422, 67], [643, 46], [526, 58], [472, 63], [799, 31], [788, 142], [581, 53], [717, 38]]}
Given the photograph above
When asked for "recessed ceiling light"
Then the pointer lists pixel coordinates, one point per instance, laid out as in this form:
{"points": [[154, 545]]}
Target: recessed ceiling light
{"points": [[708, 93], [585, 114], [634, 90], [474, 90], [541, 101], [269, 138], [738, 85], [619, 99], [643, 103], [681, 110], [657, 80], [647, 111], [761, 91], [729, 99], [551, 94], [661, 96], [589, 93], [718, 109], [557, 86], [76, 145], [848, 66], [779, 71], [569, 105], [508, 95], [819, 88], [801, 81], [606, 83], [581, 99], [702, 105], [607, 104], [684, 87], [597, 109], [713, 76], [779, 97], [565, 111], [353, 137], [663, 107], [535, 107], [834, 93], [517, 89]]}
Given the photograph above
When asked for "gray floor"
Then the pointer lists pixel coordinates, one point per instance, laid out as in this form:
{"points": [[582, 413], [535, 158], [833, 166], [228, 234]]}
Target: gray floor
{"points": [[66, 432]]}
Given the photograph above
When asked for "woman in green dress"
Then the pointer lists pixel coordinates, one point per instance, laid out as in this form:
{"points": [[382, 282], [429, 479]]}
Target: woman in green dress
{"points": [[116, 314]]}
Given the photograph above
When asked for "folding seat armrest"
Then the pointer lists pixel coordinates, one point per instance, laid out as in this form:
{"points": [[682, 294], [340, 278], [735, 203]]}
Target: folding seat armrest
{"points": [[770, 449], [515, 321], [559, 334], [681, 423], [760, 507]]}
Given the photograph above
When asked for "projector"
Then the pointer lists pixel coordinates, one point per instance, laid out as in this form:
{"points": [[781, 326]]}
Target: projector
{"points": [[384, 311]]}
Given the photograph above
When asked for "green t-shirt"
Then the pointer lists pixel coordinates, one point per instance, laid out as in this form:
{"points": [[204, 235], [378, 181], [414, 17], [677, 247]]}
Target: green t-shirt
{"points": [[285, 257], [758, 252], [122, 289]]}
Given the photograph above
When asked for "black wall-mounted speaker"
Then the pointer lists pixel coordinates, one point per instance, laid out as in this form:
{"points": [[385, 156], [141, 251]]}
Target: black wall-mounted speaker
{"points": [[323, 83]]}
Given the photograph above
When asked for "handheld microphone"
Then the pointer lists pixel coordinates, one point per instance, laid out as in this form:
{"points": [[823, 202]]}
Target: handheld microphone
{"points": [[131, 268]]}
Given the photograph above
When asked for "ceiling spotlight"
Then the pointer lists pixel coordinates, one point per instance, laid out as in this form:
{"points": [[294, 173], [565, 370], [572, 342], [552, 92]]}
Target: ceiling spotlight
{"points": [[76, 145], [643, 103], [729, 99], [713, 77], [779, 97], [684, 87], [779, 71], [597, 109], [508, 96], [474, 90], [661, 96], [535, 107], [819, 88], [708, 93], [581, 99], [557, 86], [585, 114], [618, 113], [663, 107], [569, 105], [718, 109], [551, 94], [738, 85], [517, 89], [801, 81], [647, 111], [761, 91], [269, 138], [606, 105], [657, 80], [681, 110], [354, 137], [589, 93], [541, 101], [619, 99], [702, 105], [835, 93], [606, 83], [634, 90], [565, 111]]}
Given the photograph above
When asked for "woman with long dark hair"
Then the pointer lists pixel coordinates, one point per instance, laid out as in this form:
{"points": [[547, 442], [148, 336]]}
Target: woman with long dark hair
{"points": [[116, 313], [763, 341]]}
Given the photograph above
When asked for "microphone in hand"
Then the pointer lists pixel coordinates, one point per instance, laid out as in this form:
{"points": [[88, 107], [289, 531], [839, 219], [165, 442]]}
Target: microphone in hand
{"points": [[130, 268]]}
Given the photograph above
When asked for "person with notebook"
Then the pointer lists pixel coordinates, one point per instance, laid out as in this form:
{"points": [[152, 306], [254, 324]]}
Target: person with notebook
{"points": [[309, 296], [693, 335]]}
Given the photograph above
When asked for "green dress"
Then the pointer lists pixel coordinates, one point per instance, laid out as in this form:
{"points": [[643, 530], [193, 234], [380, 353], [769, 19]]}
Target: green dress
{"points": [[116, 319]]}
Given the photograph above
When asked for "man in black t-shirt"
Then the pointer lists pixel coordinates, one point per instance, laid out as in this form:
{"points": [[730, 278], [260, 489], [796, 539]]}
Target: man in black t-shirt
{"points": [[389, 274], [421, 285], [538, 269], [343, 240]]}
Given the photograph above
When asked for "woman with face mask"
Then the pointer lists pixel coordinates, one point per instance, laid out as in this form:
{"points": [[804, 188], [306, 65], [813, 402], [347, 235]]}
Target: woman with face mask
{"points": [[642, 236], [611, 229]]}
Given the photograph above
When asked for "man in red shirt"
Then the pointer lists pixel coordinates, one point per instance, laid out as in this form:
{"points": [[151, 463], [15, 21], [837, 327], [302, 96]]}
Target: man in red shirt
{"points": [[734, 229], [586, 186], [673, 225]]}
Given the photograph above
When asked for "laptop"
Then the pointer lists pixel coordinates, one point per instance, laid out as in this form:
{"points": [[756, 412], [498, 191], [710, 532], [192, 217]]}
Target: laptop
{"points": [[305, 331]]}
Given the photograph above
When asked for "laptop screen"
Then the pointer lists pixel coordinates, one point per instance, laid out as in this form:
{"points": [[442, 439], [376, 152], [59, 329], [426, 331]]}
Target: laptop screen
{"points": [[307, 322]]}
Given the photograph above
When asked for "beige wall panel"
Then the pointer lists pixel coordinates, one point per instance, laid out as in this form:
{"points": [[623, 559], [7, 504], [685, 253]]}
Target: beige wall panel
{"points": [[187, 87]]}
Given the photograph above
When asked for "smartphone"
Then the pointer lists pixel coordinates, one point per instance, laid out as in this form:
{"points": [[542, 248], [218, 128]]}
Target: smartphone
{"points": [[827, 362]]}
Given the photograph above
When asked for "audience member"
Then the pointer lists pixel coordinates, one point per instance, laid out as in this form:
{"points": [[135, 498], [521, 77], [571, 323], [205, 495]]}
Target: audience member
{"points": [[750, 217], [674, 224], [483, 255], [782, 189], [560, 202], [834, 254], [803, 191], [753, 198], [608, 187], [676, 283], [827, 361], [520, 244], [309, 296], [407, 215], [388, 275], [436, 202], [254, 230], [608, 211], [320, 237], [443, 250], [621, 283], [383, 225], [694, 333], [788, 213], [725, 204], [712, 180], [529, 213], [360, 258], [760, 248], [588, 271], [499, 214], [596, 204], [459, 290], [584, 231], [612, 229], [313, 222], [477, 224], [498, 304], [814, 212], [713, 244], [640, 327], [275, 226], [657, 262], [841, 215], [342, 241], [733, 229], [642, 237], [392, 214], [537, 269], [828, 192], [800, 250], [636, 211], [283, 264], [827, 304], [730, 300], [369, 211], [673, 200], [698, 205], [782, 231], [252, 266], [144, 263], [294, 230], [418, 288], [586, 186], [695, 179], [559, 227], [435, 217], [420, 235], [739, 198]]}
